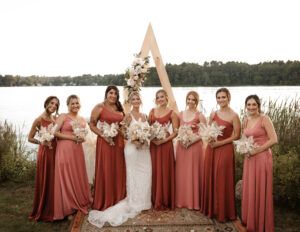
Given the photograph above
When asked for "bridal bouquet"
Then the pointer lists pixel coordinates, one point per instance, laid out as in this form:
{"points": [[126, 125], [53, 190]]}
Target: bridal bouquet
{"points": [[78, 129], [136, 75], [140, 132], [109, 131], [212, 131], [185, 135], [159, 131], [245, 145], [46, 134]]}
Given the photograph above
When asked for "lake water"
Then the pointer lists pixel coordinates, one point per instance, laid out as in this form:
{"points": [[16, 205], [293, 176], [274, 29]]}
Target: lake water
{"points": [[21, 105]]}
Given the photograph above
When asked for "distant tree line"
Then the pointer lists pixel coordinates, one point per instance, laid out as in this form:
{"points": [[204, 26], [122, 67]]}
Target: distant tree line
{"points": [[214, 73]]}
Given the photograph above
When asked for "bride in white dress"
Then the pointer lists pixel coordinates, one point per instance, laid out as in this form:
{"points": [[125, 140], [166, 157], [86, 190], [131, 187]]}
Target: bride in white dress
{"points": [[138, 177]]}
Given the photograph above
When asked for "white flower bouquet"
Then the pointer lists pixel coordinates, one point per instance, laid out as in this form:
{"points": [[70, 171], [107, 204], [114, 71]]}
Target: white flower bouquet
{"points": [[78, 130], [140, 132], [109, 131], [185, 135], [136, 75], [212, 131], [245, 145], [159, 131], [46, 134]]}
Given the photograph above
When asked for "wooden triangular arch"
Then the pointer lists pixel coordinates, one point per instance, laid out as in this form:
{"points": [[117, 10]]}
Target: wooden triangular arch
{"points": [[150, 44]]}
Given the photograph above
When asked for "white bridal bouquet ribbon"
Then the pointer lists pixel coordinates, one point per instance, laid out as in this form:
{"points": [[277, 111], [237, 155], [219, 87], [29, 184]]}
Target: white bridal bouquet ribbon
{"points": [[46, 134], [185, 135], [140, 132], [109, 131], [245, 145], [78, 130], [159, 131], [212, 131]]}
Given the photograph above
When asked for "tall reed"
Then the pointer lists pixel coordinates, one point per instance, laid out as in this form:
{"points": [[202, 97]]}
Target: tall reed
{"points": [[15, 164]]}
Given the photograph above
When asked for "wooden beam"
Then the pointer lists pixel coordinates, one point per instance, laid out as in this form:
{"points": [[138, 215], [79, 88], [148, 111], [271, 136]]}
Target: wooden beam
{"points": [[150, 44]]}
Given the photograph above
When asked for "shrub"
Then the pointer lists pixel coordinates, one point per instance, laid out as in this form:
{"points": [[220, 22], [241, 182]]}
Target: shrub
{"points": [[15, 164]]}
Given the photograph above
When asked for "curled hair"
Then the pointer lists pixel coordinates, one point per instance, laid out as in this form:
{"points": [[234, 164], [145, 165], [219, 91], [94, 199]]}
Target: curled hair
{"points": [[256, 99], [225, 90], [118, 103], [73, 96], [48, 100], [162, 91], [195, 95]]}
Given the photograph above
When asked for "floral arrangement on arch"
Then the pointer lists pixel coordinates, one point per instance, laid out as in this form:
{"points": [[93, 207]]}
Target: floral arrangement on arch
{"points": [[136, 75]]}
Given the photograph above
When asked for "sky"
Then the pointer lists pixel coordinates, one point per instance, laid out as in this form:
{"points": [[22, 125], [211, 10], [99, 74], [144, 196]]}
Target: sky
{"points": [[75, 37]]}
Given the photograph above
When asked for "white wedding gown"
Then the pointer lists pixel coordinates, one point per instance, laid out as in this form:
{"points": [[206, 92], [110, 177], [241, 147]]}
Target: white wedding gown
{"points": [[138, 186]]}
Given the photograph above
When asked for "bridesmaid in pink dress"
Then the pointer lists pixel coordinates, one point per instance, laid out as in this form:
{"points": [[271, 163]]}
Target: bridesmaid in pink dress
{"points": [[257, 201], [162, 155], [44, 180], [72, 190], [217, 198], [110, 170], [190, 157]]}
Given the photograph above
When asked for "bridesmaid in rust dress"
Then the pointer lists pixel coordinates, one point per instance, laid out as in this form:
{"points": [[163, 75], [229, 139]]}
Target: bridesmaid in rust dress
{"points": [[190, 157], [162, 155], [257, 201], [44, 181], [72, 190], [217, 198], [110, 172]]}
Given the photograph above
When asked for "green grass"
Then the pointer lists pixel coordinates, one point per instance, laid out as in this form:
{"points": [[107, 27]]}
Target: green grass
{"points": [[15, 206]]}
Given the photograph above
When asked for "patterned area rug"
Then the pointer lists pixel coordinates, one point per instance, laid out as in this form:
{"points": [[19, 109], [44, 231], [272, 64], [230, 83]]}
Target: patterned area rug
{"points": [[178, 220]]}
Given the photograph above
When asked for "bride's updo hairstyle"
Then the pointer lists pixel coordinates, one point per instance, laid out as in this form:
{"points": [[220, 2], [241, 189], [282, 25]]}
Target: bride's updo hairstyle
{"points": [[132, 94]]}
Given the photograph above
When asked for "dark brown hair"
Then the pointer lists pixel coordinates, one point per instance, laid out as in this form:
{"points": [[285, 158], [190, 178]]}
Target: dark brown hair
{"points": [[118, 103], [256, 99], [48, 100]]}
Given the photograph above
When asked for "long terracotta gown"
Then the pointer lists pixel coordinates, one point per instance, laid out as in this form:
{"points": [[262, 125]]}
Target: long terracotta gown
{"points": [[189, 169], [44, 181], [217, 198], [163, 169], [257, 201], [110, 168], [72, 191]]}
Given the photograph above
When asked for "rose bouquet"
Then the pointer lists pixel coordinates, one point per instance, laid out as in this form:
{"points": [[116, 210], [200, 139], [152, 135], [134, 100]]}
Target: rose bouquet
{"points": [[78, 130], [139, 132], [245, 145], [46, 134], [212, 131], [185, 135], [109, 131], [159, 131]]}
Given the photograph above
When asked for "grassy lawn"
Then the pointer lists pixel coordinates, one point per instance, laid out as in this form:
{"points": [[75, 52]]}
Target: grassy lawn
{"points": [[15, 206]]}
